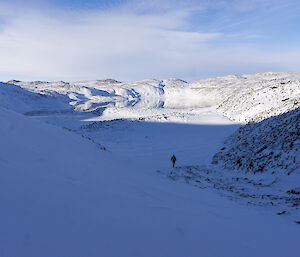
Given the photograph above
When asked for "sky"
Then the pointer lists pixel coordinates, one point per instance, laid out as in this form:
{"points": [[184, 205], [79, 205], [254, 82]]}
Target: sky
{"points": [[135, 39]]}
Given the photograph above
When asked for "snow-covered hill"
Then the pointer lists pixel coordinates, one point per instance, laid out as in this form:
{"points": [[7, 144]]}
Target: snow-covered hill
{"points": [[263, 95], [272, 145], [267, 156], [63, 195], [240, 98], [23, 101], [260, 163], [266, 152]]}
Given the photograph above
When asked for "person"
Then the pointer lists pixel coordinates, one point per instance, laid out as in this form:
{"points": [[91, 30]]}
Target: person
{"points": [[173, 159]]}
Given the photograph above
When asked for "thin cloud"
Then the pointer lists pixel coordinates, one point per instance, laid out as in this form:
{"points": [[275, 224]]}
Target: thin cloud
{"points": [[127, 41]]}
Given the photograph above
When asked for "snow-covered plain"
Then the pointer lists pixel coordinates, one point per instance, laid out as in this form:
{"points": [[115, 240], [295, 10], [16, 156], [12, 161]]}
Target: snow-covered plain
{"points": [[85, 170]]}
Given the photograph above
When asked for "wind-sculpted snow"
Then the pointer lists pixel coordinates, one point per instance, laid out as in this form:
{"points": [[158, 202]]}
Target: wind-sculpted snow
{"points": [[153, 100], [241, 98], [106, 91]]}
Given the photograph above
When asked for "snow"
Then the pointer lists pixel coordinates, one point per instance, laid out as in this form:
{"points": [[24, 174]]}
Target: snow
{"points": [[87, 172], [266, 157], [62, 196], [240, 98], [262, 96]]}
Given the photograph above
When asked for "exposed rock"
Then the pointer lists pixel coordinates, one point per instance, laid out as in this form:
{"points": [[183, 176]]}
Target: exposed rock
{"points": [[270, 145]]}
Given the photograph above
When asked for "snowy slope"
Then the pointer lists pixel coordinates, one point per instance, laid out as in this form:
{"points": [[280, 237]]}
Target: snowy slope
{"points": [[272, 144], [23, 101], [262, 96], [150, 99], [265, 156], [265, 152], [62, 196], [241, 98], [258, 164]]}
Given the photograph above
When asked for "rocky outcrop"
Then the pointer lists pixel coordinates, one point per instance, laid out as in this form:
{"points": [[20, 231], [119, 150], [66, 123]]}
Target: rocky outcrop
{"points": [[272, 145]]}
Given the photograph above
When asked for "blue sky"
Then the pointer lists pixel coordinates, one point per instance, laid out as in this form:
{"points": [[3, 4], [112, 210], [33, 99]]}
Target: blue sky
{"points": [[135, 39]]}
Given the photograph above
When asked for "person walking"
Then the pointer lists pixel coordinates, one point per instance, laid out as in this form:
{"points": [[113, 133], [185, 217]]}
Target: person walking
{"points": [[173, 159]]}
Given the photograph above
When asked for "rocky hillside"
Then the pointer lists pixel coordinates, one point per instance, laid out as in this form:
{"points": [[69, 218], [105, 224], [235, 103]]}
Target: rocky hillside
{"points": [[263, 95], [270, 141], [260, 163], [272, 145]]}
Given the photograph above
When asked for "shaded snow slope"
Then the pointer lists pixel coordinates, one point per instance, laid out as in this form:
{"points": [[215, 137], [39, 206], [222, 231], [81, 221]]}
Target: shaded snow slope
{"points": [[61, 196], [259, 165], [272, 145], [23, 101], [266, 155]]}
